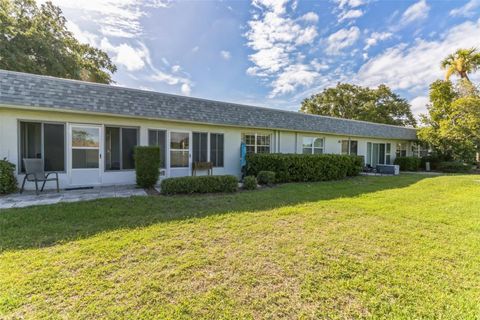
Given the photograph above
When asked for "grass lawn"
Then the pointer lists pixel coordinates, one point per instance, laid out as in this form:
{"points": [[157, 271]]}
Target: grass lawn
{"points": [[368, 247]]}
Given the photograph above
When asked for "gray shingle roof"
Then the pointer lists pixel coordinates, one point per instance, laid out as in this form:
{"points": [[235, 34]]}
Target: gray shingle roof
{"points": [[41, 91]]}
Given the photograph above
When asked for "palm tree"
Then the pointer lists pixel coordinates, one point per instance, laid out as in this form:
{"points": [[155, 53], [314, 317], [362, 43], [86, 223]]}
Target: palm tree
{"points": [[462, 62]]}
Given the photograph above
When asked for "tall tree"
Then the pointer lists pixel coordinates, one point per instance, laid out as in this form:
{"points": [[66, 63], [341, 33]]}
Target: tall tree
{"points": [[361, 103], [452, 126], [461, 63], [36, 40]]}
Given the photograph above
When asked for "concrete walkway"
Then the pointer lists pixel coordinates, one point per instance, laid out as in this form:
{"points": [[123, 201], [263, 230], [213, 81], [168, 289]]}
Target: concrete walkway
{"points": [[29, 198]]}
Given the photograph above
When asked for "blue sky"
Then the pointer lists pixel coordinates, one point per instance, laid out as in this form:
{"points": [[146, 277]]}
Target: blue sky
{"points": [[275, 53]]}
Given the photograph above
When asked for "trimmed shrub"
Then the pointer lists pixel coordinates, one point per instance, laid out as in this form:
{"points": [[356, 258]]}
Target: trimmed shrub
{"points": [[454, 167], [266, 178], [408, 163], [147, 165], [304, 167], [250, 183], [200, 184], [8, 181], [356, 166]]}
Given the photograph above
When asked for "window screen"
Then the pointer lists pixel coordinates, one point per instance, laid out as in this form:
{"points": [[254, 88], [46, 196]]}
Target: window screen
{"points": [[200, 145], [119, 146], [43, 141], [216, 149], [54, 146], [158, 138], [129, 141]]}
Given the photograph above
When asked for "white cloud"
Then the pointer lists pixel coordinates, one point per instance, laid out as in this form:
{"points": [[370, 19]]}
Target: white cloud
{"points": [[419, 105], [307, 36], [82, 35], [269, 60], [186, 89], [114, 19], [310, 17], [349, 3], [413, 67], [342, 39], [138, 58], [195, 49], [348, 9], [417, 11], [276, 38], [467, 10], [319, 66], [166, 78], [118, 18], [375, 37], [350, 14], [133, 59], [226, 55], [276, 6], [293, 77], [165, 61]]}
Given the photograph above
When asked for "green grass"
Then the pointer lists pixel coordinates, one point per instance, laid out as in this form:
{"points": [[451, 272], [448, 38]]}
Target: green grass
{"points": [[369, 247]]}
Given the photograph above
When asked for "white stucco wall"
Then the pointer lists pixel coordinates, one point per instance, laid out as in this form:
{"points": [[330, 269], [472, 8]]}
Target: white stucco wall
{"points": [[282, 141], [287, 142]]}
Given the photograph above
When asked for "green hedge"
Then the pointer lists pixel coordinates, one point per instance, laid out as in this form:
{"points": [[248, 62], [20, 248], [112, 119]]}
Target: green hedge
{"points": [[200, 184], [433, 160], [304, 167], [266, 178], [454, 167], [8, 181], [250, 183], [408, 163], [147, 166]]}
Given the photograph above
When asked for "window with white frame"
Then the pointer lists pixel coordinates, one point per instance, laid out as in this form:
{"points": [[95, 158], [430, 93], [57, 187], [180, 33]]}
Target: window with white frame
{"points": [[179, 149], [350, 147], [401, 150], [45, 141], [378, 153], [312, 145], [159, 138], [216, 149], [200, 146], [257, 143], [120, 143]]}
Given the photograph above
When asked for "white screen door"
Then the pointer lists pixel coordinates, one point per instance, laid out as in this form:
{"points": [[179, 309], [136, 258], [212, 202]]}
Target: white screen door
{"points": [[85, 161]]}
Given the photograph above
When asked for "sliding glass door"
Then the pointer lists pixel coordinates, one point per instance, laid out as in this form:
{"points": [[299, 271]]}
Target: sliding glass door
{"points": [[378, 153]]}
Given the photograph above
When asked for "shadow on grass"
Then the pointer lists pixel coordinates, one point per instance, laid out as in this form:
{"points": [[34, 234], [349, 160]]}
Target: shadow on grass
{"points": [[42, 226]]}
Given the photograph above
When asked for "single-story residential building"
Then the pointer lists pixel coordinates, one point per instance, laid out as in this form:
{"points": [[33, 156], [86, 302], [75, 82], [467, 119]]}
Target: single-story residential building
{"points": [[87, 132]]}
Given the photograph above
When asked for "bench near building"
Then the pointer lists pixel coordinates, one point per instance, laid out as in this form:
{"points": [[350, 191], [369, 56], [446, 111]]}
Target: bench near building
{"points": [[87, 132]]}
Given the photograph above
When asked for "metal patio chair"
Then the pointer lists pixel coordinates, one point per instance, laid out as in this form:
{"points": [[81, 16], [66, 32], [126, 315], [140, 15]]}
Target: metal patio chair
{"points": [[35, 172]]}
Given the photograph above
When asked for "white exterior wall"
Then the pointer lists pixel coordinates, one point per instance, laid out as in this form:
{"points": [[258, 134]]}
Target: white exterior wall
{"points": [[287, 142], [281, 141], [332, 143]]}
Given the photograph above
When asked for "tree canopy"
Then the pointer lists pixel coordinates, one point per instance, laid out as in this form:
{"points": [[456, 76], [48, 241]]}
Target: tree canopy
{"points": [[461, 63], [452, 126], [350, 101], [36, 40]]}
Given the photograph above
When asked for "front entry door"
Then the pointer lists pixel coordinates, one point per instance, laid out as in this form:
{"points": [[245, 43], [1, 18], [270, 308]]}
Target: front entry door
{"points": [[180, 154], [85, 158]]}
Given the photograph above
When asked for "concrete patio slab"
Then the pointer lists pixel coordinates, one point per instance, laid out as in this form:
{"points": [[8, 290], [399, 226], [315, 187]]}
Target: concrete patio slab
{"points": [[29, 198]]}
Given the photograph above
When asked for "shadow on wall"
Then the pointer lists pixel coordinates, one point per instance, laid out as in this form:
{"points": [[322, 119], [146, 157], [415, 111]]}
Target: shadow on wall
{"points": [[42, 226]]}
